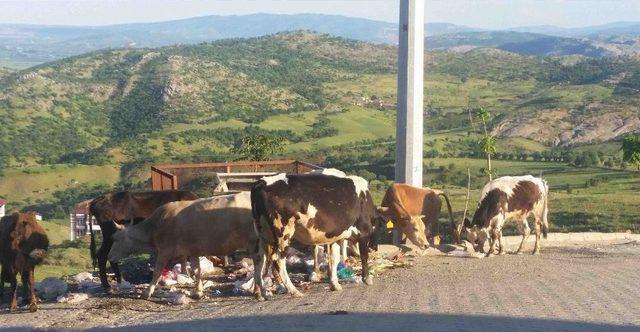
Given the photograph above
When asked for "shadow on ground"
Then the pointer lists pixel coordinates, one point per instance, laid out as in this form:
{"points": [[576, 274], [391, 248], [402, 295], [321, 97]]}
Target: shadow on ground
{"points": [[342, 320]]}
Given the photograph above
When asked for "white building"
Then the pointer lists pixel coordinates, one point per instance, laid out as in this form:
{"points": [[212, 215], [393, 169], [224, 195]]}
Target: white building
{"points": [[3, 204], [79, 225]]}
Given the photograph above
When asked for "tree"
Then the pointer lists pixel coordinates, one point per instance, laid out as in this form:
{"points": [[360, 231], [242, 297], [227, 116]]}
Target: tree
{"points": [[631, 150], [258, 147], [488, 142]]}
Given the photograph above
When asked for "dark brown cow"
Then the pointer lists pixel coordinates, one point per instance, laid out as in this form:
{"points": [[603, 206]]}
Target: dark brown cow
{"points": [[313, 209], [123, 208], [23, 245], [415, 211]]}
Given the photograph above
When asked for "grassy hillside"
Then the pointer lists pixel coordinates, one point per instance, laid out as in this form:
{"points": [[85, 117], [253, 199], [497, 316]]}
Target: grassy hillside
{"points": [[86, 124]]}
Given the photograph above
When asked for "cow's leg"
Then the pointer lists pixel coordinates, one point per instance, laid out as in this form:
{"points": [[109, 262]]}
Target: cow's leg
{"points": [[523, 228], [284, 275], [24, 277], [195, 263], [116, 270], [536, 249], [33, 301], [2, 279], [259, 262], [102, 263], [343, 250], [334, 254], [363, 245], [495, 234], [161, 262], [501, 250], [13, 280], [183, 266], [315, 275]]}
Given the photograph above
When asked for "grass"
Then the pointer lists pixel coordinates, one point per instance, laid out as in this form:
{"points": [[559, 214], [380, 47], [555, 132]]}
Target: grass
{"points": [[40, 181]]}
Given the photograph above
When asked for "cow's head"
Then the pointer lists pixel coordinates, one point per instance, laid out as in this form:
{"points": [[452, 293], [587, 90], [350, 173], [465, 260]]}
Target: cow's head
{"points": [[128, 242], [475, 235], [413, 227]]}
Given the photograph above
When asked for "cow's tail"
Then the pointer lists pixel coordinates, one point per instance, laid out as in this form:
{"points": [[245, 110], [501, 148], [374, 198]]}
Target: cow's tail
{"points": [[92, 246], [454, 227], [545, 210]]}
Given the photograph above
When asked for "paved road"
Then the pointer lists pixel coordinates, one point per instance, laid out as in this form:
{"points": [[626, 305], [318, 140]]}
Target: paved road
{"points": [[592, 288]]}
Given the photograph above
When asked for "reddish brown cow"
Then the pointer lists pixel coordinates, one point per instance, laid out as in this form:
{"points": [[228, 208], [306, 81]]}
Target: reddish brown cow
{"points": [[23, 245], [123, 208], [415, 211]]}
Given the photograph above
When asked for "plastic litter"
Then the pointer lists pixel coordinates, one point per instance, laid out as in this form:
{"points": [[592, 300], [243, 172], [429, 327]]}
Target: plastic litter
{"points": [[50, 288], [82, 276], [72, 298], [345, 273], [184, 280], [180, 299], [243, 287]]}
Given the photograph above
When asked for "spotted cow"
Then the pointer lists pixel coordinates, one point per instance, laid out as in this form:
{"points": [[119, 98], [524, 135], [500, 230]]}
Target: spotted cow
{"points": [[313, 209], [506, 198]]}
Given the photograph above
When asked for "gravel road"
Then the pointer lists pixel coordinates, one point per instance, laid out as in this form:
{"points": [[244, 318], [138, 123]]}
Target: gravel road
{"points": [[570, 288]]}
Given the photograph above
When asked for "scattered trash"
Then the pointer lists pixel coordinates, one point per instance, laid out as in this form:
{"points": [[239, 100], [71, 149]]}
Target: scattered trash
{"points": [[344, 273], [243, 287], [216, 292], [208, 268], [180, 299], [184, 280], [352, 279], [124, 285], [82, 276], [207, 284], [50, 288], [72, 298]]}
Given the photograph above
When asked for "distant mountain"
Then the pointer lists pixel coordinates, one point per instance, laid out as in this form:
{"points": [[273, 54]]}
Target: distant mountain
{"points": [[24, 45], [524, 43]]}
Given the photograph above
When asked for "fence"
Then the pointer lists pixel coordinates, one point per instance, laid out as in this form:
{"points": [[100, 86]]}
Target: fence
{"points": [[221, 175]]}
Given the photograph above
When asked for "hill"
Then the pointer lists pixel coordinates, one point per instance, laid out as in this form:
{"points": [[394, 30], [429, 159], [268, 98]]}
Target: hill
{"points": [[27, 45], [90, 108], [83, 125]]}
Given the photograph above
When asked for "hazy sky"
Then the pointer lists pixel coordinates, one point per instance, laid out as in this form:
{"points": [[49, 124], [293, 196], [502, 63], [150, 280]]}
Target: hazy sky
{"points": [[477, 13]]}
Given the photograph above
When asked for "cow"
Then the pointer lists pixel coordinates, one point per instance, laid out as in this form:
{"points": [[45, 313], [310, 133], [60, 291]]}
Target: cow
{"points": [[23, 245], [218, 226], [122, 208], [313, 209], [507, 198], [415, 211]]}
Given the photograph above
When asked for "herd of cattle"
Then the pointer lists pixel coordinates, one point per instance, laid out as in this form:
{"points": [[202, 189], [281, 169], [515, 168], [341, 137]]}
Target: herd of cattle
{"points": [[324, 207]]}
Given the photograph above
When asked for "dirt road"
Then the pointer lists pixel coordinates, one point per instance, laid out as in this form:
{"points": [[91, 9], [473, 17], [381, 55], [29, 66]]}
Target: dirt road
{"points": [[578, 288]]}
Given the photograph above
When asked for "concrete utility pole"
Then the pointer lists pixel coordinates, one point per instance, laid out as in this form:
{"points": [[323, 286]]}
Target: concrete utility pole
{"points": [[410, 93]]}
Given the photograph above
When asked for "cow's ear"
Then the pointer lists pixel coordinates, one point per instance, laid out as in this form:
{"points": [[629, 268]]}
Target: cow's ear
{"points": [[467, 223]]}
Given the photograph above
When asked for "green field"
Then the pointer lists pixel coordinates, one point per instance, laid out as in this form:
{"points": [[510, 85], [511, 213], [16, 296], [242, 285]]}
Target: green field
{"points": [[40, 182]]}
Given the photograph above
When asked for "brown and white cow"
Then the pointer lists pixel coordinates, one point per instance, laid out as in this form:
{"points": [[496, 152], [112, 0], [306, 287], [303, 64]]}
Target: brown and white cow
{"points": [[218, 226], [314, 209], [23, 245], [415, 211], [507, 198], [121, 208]]}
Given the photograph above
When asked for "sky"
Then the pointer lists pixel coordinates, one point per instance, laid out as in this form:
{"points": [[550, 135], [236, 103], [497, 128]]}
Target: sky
{"points": [[492, 14]]}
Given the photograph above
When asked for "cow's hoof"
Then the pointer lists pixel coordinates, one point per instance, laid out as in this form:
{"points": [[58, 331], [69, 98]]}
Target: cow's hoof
{"points": [[335, 287], [296, 293], [489, 254], [368, 281], [314, 277], [13, 308], [502, 253], [33, 307], [260, 297], [519, 252], [536, 252]]}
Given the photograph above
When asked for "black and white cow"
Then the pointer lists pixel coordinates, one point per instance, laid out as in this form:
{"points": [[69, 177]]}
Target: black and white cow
{"points": [[314, 209], [507, 198]]}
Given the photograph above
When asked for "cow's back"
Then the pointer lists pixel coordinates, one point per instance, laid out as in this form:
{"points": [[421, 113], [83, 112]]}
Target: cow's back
{"points": [[414, 201], [218, 225]]}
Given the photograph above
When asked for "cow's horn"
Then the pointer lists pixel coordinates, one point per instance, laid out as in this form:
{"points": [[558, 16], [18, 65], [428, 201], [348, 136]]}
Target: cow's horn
{"points": [[383, 209], [117, 226]]}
